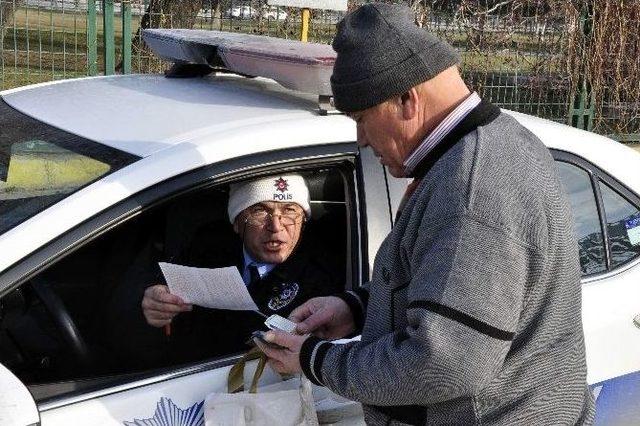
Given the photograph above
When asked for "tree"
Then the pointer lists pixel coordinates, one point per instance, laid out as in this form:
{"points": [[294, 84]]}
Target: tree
{"points": [[7, 8], [173, 14]]}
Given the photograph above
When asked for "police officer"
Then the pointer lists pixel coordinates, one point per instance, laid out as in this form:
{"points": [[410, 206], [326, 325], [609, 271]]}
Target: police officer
{"points": [[280, 271]]}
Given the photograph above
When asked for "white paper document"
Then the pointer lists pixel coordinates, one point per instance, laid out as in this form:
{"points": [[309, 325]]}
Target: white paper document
{"points": [[219, 288]]}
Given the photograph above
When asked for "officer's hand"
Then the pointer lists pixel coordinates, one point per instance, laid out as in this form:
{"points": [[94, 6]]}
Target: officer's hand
{"points": [[325, 317], [159, 306]]}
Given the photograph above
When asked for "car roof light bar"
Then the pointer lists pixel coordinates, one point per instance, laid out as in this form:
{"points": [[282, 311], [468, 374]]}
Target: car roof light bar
{"points": [[305, 67]]}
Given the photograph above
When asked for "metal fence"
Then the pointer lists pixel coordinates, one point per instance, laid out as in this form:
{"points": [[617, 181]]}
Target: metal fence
{"points": [[576, 61]]}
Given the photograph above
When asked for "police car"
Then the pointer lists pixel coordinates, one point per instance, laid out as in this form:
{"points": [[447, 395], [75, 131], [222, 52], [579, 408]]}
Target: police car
{"points": [[100, 177]]}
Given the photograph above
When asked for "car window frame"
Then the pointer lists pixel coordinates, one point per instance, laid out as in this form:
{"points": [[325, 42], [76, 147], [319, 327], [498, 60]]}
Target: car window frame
{"points": [[210, 175], [596, 176], [115, 158]]}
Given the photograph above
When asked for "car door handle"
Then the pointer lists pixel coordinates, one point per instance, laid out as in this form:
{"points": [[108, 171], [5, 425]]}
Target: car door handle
{"points": [[636, 321]]}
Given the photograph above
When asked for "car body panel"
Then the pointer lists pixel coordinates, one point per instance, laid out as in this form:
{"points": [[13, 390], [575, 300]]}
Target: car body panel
{"points": [[617, 400], [140, 400], [17, 406], [612, 340], [378, 211]]}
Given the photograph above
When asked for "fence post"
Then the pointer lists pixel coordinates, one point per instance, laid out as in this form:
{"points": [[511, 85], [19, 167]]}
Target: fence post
{"points": [[304, 25], [582, 108], [109, 38], [92, 39], [1, 50], [126, 36]]}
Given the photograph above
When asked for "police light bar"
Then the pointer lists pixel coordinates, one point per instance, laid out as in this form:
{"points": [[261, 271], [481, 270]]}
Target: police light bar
{"points": [[305, 67]]}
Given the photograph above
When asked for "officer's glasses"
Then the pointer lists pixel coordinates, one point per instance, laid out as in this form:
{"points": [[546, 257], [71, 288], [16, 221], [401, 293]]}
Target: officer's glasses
{"points": [[288, 217]]}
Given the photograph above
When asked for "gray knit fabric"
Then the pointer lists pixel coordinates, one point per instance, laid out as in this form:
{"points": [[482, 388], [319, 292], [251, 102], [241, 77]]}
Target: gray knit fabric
{"points": [[488, 234], [382, 53]]}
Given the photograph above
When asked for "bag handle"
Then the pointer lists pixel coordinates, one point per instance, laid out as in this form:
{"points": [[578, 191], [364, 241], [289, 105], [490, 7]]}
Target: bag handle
{"points": [[235, 381]]}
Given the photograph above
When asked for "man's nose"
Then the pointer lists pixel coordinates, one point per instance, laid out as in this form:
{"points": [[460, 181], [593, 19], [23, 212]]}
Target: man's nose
{"points": [[274, 223]]}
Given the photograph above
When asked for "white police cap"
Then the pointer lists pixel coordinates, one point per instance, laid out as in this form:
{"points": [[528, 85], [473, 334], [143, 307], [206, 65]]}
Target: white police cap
{"points": [[280, 188]]}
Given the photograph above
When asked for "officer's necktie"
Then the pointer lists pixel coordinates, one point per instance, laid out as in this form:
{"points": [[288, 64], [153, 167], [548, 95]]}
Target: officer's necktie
{"points": [[254, 275]]}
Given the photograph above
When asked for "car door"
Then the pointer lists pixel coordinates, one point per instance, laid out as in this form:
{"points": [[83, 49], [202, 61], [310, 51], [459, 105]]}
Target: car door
{"points": [[112, 396], [606, 215]]}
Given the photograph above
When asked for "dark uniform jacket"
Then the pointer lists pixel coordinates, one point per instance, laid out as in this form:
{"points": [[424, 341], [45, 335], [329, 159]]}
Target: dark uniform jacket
{"points": [[204, 333]]}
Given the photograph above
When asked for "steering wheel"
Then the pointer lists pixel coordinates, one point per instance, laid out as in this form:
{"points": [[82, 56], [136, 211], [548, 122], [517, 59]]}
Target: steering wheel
{"points": [[62, 320]]}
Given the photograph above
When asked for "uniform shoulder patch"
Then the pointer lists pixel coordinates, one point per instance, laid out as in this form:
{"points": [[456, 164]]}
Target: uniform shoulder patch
{"points": [[288, 292]]}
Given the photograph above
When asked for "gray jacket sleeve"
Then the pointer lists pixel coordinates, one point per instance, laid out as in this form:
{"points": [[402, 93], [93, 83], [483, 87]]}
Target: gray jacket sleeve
{"points": [[459, 318], [357, 300]]}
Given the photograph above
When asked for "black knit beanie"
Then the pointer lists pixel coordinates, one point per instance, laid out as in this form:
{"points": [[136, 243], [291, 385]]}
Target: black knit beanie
{"points": [[383, 53]]}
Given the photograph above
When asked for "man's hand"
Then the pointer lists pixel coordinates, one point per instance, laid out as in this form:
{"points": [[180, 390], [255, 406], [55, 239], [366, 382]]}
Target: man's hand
{"points": [[159, 306], [325, 317], [286, 360]]}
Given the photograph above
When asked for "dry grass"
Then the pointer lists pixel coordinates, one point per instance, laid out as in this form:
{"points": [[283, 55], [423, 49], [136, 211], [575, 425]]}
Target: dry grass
{"points": [[69, 22]]}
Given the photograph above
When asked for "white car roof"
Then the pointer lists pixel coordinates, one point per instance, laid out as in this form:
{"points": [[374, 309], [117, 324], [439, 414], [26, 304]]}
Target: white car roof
{"points": [[144, 114], [615, 158]]}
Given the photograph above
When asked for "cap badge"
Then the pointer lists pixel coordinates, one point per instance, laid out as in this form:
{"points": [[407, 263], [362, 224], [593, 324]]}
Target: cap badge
{"points": [[282, 185]]}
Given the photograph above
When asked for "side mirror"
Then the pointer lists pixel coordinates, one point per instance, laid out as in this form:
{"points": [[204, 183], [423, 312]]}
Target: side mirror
{"points": [[17, 407]]}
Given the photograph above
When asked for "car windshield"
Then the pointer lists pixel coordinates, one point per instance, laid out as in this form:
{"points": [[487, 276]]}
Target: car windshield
{"points": [[40, 165]]}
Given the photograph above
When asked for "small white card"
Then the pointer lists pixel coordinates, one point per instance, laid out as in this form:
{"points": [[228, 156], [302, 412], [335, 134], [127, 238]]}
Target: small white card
{"points": [[219, 288]]}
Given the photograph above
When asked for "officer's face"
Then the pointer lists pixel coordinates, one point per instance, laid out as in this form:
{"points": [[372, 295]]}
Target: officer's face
{"points": [[270, 230]]}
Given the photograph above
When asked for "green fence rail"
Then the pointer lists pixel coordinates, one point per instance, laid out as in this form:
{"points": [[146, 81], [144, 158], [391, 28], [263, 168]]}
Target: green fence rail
{"points": [[530, 56]]}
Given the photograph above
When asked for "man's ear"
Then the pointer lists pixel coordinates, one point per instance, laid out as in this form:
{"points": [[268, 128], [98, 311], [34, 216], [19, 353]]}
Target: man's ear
{"points": [[236, 225], [409, 102]]}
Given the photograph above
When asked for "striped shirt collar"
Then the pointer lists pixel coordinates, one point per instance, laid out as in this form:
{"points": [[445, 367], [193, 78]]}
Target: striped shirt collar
{"points": [[439, 133]]}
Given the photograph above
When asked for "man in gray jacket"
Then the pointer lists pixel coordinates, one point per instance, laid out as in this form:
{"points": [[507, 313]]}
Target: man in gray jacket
{"points": [[472, 315]]}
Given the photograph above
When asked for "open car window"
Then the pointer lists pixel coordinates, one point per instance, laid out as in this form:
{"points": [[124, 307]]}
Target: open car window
{"points": [[95, 293], [40, 165]]}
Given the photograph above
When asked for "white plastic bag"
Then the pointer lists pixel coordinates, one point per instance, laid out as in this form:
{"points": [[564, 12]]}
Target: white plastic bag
{"points": [[287, 403], [277, 404]]}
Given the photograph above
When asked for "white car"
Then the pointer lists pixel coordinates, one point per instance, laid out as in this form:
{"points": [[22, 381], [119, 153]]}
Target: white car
{"points": [[101, 177], [242, 12], [273, 12]]}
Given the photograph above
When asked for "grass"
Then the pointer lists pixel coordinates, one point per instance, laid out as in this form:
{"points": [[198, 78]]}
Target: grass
{"points": [[55, 31], [16, 76], [67, 21], [35, 173]]}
